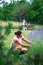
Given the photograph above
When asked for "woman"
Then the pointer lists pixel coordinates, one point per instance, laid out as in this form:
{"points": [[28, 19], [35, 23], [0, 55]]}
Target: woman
{"points": [[17, 41]]}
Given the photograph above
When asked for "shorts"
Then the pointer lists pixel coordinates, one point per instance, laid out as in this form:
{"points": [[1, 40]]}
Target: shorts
{"points": [[20, 52]]}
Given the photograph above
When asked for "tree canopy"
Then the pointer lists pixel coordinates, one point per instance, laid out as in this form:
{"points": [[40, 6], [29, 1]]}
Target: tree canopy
{"points": [[17, 10]]}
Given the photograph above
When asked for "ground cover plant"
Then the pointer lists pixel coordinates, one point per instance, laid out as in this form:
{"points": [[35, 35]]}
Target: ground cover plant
{"points": [[34, 54]]}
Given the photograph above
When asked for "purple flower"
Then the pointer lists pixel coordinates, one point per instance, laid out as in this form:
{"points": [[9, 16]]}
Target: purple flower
{"points": [[36, 34]]}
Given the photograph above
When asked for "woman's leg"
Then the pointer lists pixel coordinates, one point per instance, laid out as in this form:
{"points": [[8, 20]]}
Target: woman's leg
{"points": [[24, 50], [18, 48], [21, 48]]}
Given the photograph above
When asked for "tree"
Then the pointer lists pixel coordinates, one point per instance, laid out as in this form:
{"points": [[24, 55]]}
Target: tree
{"points": [[21, 10], [1, 13], [36, 11], [16, 11]]}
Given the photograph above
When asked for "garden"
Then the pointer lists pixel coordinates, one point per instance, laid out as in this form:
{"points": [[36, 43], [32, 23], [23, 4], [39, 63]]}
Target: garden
{"points": [[12, 15], [34, 56]]}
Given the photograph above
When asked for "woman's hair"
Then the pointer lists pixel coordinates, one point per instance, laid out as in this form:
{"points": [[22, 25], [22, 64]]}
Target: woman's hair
{"points": [[18, 33]]}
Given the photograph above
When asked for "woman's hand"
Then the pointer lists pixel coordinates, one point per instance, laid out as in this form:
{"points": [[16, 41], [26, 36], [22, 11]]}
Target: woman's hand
{"points": [[27, 46], [30, 46], [26, 40]]}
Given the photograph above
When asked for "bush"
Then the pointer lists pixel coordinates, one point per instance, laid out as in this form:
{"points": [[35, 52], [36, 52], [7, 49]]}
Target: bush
{"points": [[8, 28], [20, 27], [30, 26], [14, 27], [17, 27]]}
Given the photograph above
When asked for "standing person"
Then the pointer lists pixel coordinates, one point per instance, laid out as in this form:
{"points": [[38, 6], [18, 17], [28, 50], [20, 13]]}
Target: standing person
{"points": [[24, 24], [17, 41]]}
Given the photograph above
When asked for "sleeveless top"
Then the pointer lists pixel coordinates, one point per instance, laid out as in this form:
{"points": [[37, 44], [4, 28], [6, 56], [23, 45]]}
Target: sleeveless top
{"points": [[16, 39], [13, 44]]}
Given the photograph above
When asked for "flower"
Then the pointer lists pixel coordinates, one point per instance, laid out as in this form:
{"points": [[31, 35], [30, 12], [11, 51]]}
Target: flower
{"points": [[36, 34]]}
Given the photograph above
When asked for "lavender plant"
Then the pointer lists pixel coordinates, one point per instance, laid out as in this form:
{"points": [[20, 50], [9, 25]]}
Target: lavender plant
{"points": [[36, 34], [36, 37]]}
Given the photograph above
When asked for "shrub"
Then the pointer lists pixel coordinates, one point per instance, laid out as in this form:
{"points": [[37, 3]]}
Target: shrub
{"points": [[20, 27], [30, 26], [14, 27], [8, 28]]}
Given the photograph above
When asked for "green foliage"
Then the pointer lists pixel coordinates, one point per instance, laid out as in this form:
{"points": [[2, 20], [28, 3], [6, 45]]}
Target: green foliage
{"points": [[30, 26], [14, 27], [3, 57], [33, 56], [17, 27], [8, 28], [20, 27], [1, 13], [36, 11], [17, 10], [1, 29], [0, 32]]}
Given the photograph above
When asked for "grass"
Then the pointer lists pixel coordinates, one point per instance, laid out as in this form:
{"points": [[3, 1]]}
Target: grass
{"points": [[9, 38], [37, 43], [17, 24], [37, 47], [8, 41]]}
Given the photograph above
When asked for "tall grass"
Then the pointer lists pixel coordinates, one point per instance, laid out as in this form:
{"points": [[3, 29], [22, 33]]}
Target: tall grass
{"points": [[30, 58]]}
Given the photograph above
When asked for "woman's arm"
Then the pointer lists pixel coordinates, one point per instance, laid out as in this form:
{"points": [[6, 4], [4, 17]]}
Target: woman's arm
{"points": [[26, 40], [19, 43]]}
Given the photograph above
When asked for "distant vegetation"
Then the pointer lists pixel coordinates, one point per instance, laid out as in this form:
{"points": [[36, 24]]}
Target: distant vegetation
{"points": [[17, 10]]}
